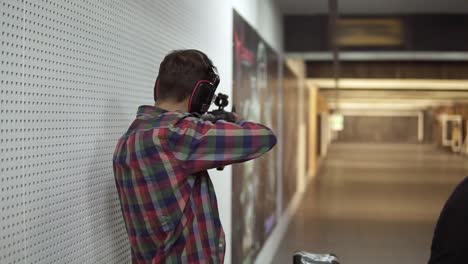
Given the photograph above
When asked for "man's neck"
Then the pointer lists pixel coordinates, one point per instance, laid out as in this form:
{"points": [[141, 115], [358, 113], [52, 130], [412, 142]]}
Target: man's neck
{"points": [[172, 106]]}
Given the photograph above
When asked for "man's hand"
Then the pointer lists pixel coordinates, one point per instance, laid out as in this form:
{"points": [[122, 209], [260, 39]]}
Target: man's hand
{"points": [[237, 117]]}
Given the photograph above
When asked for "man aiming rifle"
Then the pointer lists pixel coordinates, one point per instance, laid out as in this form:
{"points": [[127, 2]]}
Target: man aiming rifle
{"points": [[161, 162]]}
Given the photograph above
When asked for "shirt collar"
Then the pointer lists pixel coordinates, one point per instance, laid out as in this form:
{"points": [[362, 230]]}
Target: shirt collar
{"points": [[152, 111]]}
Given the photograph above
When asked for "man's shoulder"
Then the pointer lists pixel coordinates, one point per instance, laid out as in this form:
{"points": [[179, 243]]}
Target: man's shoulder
{"points": [[171, 116], [177, 119], [162, 120], [460, 196]]}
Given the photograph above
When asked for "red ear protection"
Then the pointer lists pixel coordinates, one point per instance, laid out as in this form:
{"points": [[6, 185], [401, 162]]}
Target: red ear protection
{"points": [[202, 95]]}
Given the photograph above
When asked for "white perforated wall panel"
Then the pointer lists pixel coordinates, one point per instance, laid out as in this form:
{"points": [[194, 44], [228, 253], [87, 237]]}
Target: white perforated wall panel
{"points": [[72, 74]]}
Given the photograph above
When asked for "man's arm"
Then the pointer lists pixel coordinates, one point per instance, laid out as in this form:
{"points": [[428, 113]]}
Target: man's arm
{"points": [[200, 145]]}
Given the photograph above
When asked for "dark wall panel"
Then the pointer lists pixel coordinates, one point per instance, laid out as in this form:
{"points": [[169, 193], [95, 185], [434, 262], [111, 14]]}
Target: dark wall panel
{"points": [[380, 129], [306, 33], [390, 69], [429, 32], [437, 32]]}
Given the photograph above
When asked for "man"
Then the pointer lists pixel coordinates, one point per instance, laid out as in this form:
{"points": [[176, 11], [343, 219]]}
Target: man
{"points": [[167, 198], [450, 242]]}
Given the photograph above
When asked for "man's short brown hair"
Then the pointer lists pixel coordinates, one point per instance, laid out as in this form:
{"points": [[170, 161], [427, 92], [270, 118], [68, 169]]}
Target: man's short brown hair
{"points": [[179, 72]]}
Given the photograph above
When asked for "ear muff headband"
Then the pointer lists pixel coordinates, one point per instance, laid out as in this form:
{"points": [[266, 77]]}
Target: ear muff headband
{"points": [[202, 94], [156, 92]]}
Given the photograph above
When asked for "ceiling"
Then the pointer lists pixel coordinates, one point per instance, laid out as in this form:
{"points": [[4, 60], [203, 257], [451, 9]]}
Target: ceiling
{"points": [[393, 93], [375, 7]]}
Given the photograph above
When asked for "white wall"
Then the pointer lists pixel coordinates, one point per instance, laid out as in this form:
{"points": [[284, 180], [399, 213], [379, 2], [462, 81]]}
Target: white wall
{"points": [[72, 75]]}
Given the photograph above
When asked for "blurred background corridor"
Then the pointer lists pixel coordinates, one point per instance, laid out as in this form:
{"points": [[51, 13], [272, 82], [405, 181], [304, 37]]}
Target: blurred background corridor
{"points": [[374, 203]]}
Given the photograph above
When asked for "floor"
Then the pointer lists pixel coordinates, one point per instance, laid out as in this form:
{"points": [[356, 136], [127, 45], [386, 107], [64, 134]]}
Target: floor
{"points": [[374, 203]]}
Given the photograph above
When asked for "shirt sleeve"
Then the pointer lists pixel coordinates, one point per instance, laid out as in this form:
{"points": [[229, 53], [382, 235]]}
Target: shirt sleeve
{"points": [[201, 145]]}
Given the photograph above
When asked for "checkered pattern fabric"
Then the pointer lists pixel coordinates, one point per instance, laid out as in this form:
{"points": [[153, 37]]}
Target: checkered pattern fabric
{"points": [[167, 198]]}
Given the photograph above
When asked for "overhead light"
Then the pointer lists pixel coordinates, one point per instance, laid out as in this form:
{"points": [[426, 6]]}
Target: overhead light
{"points": [[391, 84]]}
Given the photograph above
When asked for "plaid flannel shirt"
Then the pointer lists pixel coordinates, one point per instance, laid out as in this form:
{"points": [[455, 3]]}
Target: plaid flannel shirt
{"points": [[167, 198]]}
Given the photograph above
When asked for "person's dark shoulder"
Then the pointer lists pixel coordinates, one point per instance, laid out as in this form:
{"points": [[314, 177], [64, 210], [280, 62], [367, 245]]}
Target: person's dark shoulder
{"points": [[459, 197], [450, 241]]}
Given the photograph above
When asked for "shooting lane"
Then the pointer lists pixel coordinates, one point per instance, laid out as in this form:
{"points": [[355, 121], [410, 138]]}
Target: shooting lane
{"points": [[319, 135], [312, 120], [313, 135], [293, 135]]}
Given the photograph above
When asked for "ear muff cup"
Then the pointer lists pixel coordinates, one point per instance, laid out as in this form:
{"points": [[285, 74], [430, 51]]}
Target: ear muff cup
{"points": [[201, 97]]}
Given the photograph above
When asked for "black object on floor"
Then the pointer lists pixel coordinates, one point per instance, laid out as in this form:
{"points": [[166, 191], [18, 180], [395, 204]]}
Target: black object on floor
{"points": [[302, 257]]}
